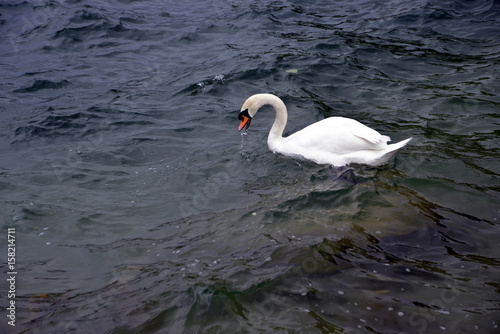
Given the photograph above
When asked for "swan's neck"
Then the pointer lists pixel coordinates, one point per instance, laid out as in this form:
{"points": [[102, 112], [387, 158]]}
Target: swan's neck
{"points": [[276, 133]]}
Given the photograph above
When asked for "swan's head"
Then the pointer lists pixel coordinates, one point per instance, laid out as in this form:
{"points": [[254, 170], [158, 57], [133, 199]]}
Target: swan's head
{"points": [[245, 119], [248, 110]]}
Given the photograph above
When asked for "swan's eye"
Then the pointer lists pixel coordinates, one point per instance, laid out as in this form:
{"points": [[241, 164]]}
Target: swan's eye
{"points": [[243, 113]]}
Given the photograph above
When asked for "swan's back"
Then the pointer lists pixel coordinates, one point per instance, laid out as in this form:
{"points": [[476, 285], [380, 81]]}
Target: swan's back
{"points": [[339, 141], [338, 135]]}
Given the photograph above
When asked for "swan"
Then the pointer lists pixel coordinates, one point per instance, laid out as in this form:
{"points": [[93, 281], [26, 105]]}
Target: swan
{"points": [[336, 141]]}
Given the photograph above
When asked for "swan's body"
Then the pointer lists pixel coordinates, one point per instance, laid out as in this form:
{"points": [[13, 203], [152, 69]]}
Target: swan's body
{"points": [[336, 141]]}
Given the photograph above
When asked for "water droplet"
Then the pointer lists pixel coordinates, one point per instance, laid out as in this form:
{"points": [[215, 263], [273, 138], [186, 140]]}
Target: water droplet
{"points": [[340, 292], [401, 314]]}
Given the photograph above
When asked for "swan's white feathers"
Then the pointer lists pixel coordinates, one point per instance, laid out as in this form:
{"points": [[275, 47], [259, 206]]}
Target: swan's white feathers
{"points": [[336, 141]]}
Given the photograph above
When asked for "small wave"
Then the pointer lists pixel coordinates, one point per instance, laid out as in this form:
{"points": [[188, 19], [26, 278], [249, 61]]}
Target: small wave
{"points": [[86, 16], [100, 32], [56, 125], [42, 84]]}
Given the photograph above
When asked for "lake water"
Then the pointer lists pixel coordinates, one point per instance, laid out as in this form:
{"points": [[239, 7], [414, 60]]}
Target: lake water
{"points": [[139, 208]]}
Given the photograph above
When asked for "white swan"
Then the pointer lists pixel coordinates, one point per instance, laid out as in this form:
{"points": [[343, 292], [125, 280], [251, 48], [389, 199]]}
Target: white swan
{"points": [[336, 141]]}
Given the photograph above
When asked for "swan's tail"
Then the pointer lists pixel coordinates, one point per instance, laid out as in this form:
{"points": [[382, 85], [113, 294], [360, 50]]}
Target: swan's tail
{"points": [[393, 148]]}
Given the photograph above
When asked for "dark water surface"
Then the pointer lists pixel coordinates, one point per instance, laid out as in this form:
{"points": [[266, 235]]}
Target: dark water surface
{"points": [[138, 207]]}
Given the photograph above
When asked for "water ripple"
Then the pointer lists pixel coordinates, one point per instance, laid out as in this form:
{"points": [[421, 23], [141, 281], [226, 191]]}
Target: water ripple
{"points": [[141, 210]]}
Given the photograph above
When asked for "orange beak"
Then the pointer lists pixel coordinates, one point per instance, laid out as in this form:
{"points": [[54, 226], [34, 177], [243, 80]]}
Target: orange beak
{"points": [[245, 122], [245, 119]]}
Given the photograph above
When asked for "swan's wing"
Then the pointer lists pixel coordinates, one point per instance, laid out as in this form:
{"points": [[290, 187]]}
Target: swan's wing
{"points": [[369, 134], [357, 129], [337, 135]]}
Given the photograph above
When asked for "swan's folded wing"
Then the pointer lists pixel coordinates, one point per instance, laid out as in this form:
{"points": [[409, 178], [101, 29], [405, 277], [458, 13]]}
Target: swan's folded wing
{"points": [[336, 135], [357, 129], [369, 134]]}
